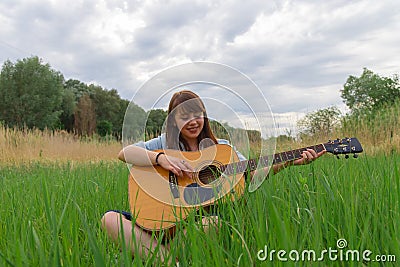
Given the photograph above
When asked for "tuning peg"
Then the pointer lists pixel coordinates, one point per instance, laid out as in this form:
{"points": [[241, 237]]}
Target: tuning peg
{"points": [[355, 155], [346, 156]]}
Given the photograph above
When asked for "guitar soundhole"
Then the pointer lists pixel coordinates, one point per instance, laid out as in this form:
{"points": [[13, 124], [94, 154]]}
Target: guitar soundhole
{"points": [[209, 174]]}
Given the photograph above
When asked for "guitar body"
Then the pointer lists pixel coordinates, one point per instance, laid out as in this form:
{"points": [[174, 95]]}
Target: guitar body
{"points": [[159, 200]]}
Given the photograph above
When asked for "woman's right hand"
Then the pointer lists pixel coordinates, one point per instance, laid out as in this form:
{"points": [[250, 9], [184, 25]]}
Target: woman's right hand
{"points": [[176, 165]]}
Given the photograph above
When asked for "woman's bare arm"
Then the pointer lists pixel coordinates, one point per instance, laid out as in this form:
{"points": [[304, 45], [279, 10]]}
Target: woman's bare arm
{"points": [[137, 156]]}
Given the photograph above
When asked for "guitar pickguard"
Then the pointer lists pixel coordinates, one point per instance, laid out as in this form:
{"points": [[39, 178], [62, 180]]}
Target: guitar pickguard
{"points": [[194, 194]]}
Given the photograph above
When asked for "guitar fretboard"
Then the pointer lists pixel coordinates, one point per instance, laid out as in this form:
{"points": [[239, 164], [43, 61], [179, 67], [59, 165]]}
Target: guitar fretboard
{"points": [[265, 161]]}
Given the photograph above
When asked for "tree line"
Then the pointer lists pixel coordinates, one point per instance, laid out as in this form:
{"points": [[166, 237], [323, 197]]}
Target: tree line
{"points": [[33, 95], [365, 96]]}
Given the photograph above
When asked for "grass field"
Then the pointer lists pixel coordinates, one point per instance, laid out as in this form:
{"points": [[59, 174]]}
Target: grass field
{"points": [[50, 216], [26, 145]]}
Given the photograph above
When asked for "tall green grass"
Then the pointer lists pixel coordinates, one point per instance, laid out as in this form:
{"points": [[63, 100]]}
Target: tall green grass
{"points": [[50, 215]]}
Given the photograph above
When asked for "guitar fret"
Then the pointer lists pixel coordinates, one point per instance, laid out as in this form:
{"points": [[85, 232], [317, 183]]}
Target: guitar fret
{"points": [[290, 155], [319, 148], [223, 168], [264, 161], [297, 153], [242, 166], [284, 156], [238, 167], [277, 159], [253, 164], [230, 169]]}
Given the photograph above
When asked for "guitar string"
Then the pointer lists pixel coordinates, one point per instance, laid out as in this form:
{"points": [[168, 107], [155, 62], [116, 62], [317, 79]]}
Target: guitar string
{"points": [[205, 176]]}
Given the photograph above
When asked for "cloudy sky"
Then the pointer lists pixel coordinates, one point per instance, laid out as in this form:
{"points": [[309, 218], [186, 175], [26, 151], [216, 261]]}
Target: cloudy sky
{"points": [[299, 53]]}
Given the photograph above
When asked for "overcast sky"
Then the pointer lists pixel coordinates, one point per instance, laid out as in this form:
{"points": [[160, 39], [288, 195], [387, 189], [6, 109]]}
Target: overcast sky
{"points": [[299, 53]]}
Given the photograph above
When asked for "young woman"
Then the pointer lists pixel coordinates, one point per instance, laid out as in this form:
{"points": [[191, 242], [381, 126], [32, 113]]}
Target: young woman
{"points": [[187, 129]]}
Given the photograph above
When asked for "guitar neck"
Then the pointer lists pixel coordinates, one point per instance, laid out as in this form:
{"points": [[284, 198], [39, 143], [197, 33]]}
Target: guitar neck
{"points": [[265, 161]]}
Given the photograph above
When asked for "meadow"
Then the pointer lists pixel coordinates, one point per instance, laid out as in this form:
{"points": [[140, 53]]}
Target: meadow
{"points": [[334, 212], [32, 145], [50, 216]]}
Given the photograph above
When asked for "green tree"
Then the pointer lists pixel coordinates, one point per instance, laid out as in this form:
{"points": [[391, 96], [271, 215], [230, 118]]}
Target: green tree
{"points": [[155, 122], [369, 91], [30, 94], [73, 91], [109, 107], [134, 124], [320, 122], [68, 106], [78, 88]]}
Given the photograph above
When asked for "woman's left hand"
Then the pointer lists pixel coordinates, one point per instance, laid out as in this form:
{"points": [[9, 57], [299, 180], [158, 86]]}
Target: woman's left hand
{"points": [[309, 156]]}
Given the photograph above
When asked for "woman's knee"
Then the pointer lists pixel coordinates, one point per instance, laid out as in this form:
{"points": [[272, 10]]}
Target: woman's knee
{"points": [[110, 219]]}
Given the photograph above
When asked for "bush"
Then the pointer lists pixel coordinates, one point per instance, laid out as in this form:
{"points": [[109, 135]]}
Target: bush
{"points": [[104, 128]]}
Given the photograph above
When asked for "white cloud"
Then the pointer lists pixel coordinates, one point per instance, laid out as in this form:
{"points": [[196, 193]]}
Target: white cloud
{"points": [[112, 30], [299, 53]]}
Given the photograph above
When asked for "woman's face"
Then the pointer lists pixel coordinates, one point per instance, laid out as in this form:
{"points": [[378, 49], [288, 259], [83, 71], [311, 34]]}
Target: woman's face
{"points": [[189, 124]]}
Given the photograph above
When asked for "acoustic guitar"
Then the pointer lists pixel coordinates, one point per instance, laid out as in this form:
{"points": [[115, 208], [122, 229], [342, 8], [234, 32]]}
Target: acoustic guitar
{"points": [[159, 200]]}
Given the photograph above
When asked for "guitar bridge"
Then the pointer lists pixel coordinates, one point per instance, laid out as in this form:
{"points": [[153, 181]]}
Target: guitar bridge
{"points": [[173, 184]]}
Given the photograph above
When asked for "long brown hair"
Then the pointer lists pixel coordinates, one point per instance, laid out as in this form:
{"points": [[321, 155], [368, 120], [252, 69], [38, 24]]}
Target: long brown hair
{"points": [[180, 101]]}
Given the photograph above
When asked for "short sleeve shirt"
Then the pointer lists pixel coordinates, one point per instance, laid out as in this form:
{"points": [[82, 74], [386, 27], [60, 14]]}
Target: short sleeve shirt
{"points": [[160, 143]]}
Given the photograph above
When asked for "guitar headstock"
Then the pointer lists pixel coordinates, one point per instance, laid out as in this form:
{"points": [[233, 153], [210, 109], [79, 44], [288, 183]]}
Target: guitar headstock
{"points": [[344, 146]]}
